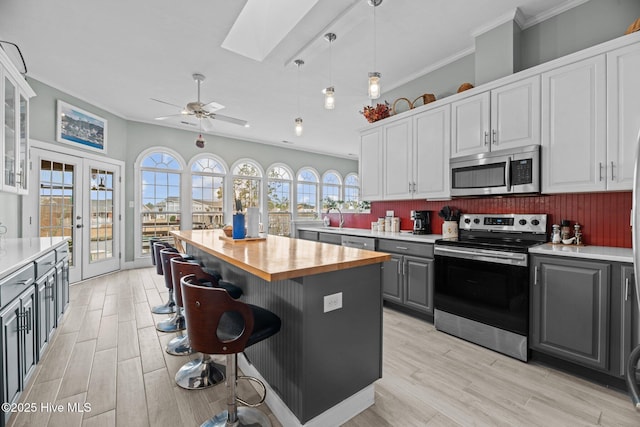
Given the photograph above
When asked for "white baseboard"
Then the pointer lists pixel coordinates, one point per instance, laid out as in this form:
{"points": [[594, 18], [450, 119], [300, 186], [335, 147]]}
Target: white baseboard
{"points": [[337, 415], [137, 263]]}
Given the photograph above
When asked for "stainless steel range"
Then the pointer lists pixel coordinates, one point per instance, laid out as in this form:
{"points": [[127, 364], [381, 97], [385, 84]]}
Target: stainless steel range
{"points": [[482, 280]]}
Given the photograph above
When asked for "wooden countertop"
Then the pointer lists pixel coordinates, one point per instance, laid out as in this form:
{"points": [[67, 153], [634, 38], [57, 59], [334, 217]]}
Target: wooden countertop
{"points": [[278, 258]]}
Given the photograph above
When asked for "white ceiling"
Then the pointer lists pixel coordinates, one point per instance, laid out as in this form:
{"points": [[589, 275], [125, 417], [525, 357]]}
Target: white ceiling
{"points": [[119, 54]]}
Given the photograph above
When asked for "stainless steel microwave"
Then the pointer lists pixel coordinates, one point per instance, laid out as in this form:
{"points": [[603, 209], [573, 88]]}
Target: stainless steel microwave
{"points": [[511, 171]]}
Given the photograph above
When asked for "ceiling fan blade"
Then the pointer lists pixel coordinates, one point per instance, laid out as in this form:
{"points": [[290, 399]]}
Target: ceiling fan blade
{"points": [[206, 124], [165, 102], [168, 117], [212, 107], [228, 119]]}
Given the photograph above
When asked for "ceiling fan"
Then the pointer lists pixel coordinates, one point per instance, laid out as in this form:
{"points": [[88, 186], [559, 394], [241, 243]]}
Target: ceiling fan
{"points": [[203, 112]]}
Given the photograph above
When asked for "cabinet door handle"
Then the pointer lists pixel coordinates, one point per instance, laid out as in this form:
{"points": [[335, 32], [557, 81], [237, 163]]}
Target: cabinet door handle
{"points": [[495, 136], [626, 289], [535, 275], [601, 171], [402, 248], [399, 267], [486, 137], [414, 186], [409, 186], [612, 177]]}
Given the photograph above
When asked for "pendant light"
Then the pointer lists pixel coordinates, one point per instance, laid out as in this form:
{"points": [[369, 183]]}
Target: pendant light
{"points": [[298, 120], [374, 76], [329, 93]]}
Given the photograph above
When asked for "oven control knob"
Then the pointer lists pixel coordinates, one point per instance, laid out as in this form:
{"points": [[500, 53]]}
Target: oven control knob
{"points": [[523, 222], [535, 222], [467, 220], [476, 221]]}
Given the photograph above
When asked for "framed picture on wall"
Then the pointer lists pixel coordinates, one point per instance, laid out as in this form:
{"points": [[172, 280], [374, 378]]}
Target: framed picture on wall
{"points": [[79, 127]]}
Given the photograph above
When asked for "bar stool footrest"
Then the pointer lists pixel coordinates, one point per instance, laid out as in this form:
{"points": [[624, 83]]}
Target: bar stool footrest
{"points": [[264, 392], [246, 417]]}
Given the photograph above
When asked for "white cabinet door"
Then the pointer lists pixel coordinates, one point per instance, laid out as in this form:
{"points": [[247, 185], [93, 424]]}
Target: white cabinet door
{"points": [[515, 114], [470, 127], [371, 165], [397, 160], [431, 144], [623, 115], [573, 127]]}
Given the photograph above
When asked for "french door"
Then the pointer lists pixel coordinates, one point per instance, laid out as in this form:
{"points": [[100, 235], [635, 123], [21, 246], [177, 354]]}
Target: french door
{"points": [[78, 198]]}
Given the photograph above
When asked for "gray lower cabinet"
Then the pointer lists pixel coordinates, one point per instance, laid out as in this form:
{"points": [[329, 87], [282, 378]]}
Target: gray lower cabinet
{"points": [[581, 311], [308, 235], [18, 320], [332, 238], [45, 294], [407, 279]]}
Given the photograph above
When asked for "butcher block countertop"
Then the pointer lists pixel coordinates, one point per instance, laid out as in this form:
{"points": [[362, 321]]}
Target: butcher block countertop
{"points": [[279, 258]]}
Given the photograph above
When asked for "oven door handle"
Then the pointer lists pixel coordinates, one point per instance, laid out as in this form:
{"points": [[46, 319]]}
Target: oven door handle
{"points": [[485, 255]]}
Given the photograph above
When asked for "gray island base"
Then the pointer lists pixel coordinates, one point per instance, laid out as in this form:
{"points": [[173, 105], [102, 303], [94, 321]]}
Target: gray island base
{"points": [[321, 366]]}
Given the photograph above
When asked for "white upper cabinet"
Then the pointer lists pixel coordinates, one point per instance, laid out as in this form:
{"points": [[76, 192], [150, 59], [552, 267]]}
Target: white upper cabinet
{"points": [[432, 139], [574, 127], [505, 117], [623, 115], [398, 160], [14, 138], [371, 164]]}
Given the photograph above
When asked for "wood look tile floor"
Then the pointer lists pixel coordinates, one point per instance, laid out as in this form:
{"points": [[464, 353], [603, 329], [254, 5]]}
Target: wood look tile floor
{"points": [[107, 353]]}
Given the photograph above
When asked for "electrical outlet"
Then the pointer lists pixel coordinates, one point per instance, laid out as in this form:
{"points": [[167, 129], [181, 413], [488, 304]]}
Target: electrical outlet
{"points": [[332, 302], [390, 214]]}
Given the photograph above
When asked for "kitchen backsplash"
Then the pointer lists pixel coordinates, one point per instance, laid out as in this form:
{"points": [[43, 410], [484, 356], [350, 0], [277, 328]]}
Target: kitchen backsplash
{"points": [[604, 216]]}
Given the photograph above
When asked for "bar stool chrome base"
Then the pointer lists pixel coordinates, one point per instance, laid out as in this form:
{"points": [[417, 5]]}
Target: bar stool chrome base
{"points": [[166, 308], [179, 346], [175, 323], [200, 374], [246, 417]]}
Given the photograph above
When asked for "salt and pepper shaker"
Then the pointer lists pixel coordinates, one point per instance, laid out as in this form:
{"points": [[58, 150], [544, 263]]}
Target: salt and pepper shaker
{"points": [[577, 233], [565, 229], [555, 234]]}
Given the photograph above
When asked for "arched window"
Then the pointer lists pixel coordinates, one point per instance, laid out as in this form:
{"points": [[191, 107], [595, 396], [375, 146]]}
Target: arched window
{"points": [[351, 191], [247, 181], [207, 195], [331, 188], [307, 186], [160, 174], [279, 187]]}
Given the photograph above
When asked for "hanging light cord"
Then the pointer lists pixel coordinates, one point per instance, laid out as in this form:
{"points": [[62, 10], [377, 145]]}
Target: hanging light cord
{"points": [[298, 88], [374, 39]]}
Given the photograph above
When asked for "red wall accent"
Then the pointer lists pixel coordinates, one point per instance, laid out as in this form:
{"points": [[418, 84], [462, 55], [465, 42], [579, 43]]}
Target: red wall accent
{"points": [[605, 217]]}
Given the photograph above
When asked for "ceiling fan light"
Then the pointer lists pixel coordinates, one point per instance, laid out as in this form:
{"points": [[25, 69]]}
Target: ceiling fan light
{"points": [[374, 85], [298, 127], [329, 98], [200, 141]]}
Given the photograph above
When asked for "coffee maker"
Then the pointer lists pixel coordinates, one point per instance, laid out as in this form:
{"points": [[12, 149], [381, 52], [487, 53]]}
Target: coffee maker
{"points": [[421, 222]]}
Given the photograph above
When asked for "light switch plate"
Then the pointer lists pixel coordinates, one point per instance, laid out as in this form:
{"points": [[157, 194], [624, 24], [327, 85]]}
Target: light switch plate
{"points": [[332, 302]]}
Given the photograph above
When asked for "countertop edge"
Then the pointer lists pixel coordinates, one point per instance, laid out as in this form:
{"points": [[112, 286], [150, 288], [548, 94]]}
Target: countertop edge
{"points": [[363, 232], [5, 271], [597, 253]]}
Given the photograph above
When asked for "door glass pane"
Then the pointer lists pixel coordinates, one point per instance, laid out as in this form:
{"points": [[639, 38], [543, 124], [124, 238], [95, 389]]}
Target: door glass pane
{"points": [[56, 201], [22, 167], [9, 133], [101, 208]]}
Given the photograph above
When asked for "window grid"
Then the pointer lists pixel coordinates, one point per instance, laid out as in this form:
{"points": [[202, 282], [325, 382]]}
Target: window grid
{"points": [[331, 189], [207, 194], [279, 201], [307, 186], [246, 185], [351, 191]]}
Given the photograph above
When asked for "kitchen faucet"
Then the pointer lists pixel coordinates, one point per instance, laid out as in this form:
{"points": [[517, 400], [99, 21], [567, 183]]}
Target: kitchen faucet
{"points": [[339, 213]]}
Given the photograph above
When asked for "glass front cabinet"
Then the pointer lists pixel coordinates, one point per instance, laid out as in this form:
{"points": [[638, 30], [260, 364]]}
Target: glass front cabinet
{"points": [[14, 138]]}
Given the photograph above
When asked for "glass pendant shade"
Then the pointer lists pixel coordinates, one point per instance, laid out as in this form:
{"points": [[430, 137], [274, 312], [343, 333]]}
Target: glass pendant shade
{"points": [[329, 98], [374, 85], [299, 126]]}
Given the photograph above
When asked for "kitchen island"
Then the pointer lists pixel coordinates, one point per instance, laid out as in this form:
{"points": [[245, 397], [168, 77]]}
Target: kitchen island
{"points": [[321, 366]]}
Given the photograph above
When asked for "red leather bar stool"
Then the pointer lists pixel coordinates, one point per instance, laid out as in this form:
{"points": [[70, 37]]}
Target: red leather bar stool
{"points": [[180, 267], [176, 322], [169, 306], [218, 324]]}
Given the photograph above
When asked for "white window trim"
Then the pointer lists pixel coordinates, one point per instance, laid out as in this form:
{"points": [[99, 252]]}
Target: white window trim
{"points": [[340, 185], [137, 180], [189, 175], [228, 198], [295, 190]]}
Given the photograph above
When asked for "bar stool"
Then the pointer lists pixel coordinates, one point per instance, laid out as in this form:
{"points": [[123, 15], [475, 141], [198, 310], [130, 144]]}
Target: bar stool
{"points": [[220, 325], [176, 322], [169, 306], [180, 267]]}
